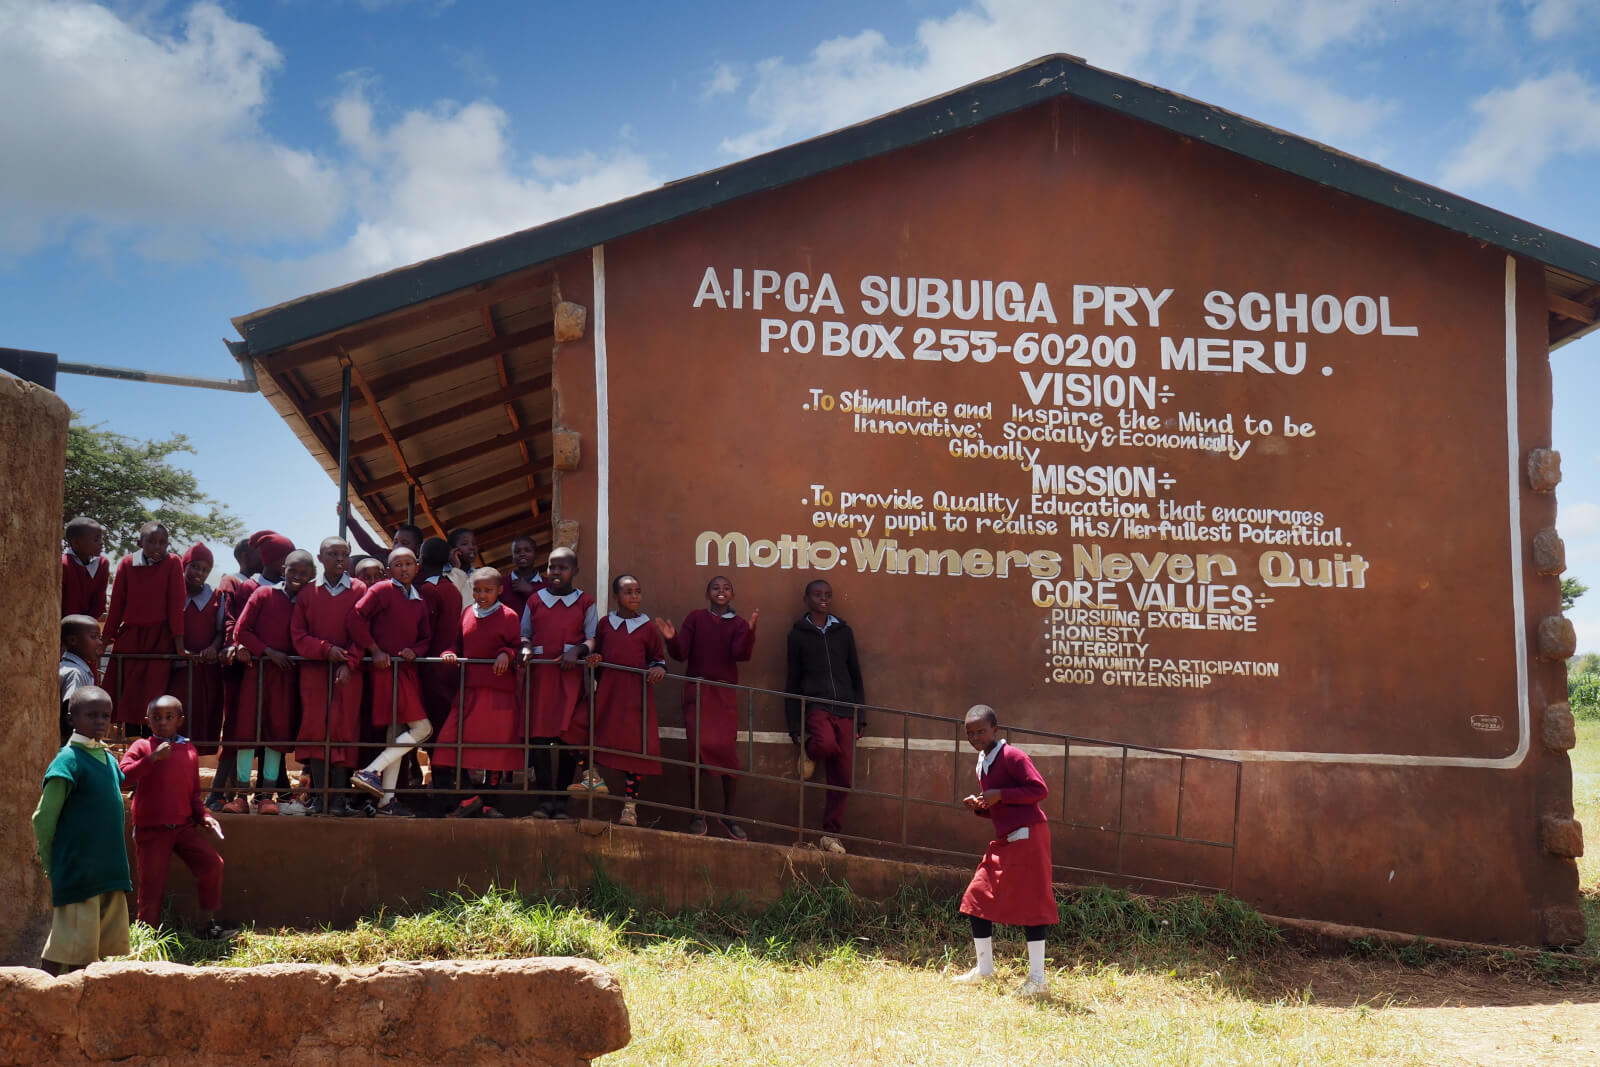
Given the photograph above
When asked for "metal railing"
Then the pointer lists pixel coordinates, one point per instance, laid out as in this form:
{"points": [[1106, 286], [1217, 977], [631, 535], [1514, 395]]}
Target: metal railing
{"points": [[1127, 843]]}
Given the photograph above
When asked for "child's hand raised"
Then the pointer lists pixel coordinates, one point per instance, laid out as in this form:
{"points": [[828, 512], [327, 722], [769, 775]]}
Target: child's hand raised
{"points": [[754, 615], [667, 629], [161, 751], [502, 662], [655, 674]]}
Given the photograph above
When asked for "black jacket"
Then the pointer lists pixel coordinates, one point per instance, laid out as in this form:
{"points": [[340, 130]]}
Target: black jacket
{"points": [[823, 665]]}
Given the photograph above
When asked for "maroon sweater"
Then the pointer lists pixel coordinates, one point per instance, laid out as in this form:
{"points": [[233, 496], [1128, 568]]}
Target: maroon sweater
{"points": [[711, 646], [391, 620], [80, 593], [265, 622], [165, 792], [486, 638], [444, 613], [145, 596], [1021, 788], [321, 620]]}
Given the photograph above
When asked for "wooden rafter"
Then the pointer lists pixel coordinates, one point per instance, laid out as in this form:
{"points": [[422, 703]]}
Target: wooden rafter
{"points": [[494, 481], [539, 531], [360, 382], [389, 384], [1572, 309], [511, 410], [461, 303], [478, 450], [455, 413]]}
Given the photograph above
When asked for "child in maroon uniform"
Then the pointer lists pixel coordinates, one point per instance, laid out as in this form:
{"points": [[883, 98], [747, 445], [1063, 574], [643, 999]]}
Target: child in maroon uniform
{"points": [[84, 571], [824, 671], [330, 709], [269, 698], [393, 621], [524, 577], [558, 624], [146, 616], [197, 681], [625, 718], [163, 770], [487, 715], [235, 590], [1013, 883], [440, 683], [368, 569], [713, 643], [80, 652]]}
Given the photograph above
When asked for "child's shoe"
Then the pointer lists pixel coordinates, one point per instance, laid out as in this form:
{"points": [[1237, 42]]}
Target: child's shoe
{"points": [[629, 816], [467, 809], [735, 831], [217, 932], [697, 826], [829, 843], [589, 782], [396, 810], [1034, 987], [491, 813], [293, 806], [267, 806], [368, 782], [236, 806], [973, 977]]}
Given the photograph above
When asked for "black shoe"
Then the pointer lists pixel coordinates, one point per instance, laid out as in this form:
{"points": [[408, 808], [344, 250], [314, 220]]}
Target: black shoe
{"points": [[217, 932], [467, 809], [396, 810], [214, 802], [314, 806]]}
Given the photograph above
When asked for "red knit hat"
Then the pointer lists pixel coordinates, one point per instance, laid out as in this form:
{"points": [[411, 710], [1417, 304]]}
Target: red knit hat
{"points": [[273, 546], [197, 551]]}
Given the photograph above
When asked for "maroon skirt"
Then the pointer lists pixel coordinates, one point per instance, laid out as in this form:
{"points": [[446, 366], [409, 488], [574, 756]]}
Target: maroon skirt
{"points": [[1012, 885], [491, 718], [717, 738]]}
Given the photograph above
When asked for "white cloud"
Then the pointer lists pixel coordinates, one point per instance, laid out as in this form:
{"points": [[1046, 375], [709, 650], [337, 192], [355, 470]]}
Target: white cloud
{"points": [[1523, 127], [438, 180], [108, 126], [723, 80], [1266, 46], [1552, 18]]}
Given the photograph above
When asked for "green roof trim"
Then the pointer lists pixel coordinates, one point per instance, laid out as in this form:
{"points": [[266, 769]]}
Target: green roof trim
{"points": [[1044, 79]]}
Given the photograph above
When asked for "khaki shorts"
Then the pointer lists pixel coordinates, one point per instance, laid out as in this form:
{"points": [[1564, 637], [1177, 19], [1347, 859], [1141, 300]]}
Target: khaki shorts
{"points": [[89, 930]]}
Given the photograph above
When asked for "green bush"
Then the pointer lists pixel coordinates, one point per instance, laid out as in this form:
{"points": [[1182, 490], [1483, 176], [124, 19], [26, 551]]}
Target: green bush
{"points": [[1583, 693]]}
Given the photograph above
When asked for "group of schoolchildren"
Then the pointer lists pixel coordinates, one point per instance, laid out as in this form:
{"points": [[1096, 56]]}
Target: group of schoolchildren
{"points": [[223, 658]]}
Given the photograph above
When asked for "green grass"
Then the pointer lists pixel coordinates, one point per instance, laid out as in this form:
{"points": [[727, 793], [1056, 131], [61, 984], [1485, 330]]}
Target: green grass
{"points": [[823, 975]]}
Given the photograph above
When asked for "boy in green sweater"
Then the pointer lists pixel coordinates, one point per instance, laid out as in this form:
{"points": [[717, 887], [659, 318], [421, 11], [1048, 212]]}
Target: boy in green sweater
{"points": [[79, 829]]}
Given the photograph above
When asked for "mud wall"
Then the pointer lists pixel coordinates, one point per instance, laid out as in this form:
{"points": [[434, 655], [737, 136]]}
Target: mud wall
{"points": [[1136, 439], [33, 448], [546, 1012]]}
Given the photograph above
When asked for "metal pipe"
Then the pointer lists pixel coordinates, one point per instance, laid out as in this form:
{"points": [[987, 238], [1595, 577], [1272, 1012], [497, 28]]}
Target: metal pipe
{"points": [[344, 450], [128, 374]]}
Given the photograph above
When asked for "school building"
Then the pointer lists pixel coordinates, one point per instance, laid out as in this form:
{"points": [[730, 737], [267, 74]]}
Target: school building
{"points": [[1138, 420]]}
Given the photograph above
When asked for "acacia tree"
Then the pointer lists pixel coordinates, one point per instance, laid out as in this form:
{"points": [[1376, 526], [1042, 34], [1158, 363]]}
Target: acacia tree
{"points": [[124, 483], [1571, 590]]}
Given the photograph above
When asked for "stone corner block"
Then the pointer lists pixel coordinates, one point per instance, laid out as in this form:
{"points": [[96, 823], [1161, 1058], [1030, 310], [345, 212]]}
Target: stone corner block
{"points": [[1559, 729], [570, 321], [1544, 469], [567, 448], [1549, 552], [1557, 639], [567, 534], [1561, 835], [1563, 925]]}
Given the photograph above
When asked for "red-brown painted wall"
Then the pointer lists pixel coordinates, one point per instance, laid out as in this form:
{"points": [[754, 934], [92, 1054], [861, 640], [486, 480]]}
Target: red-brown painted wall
{"points": [[1391, 776]]}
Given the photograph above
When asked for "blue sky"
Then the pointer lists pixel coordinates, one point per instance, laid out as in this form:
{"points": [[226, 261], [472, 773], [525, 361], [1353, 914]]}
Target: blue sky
{"points": [[168, 166]]}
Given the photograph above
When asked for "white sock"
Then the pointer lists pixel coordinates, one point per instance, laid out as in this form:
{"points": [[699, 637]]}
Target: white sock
{"points": [[985, 949], [415, 734], [1036, 960], [391, 778]]}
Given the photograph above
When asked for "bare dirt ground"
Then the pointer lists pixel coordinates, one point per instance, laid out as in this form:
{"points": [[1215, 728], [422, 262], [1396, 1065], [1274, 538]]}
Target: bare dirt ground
{"points": [[1462, 1016]]}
